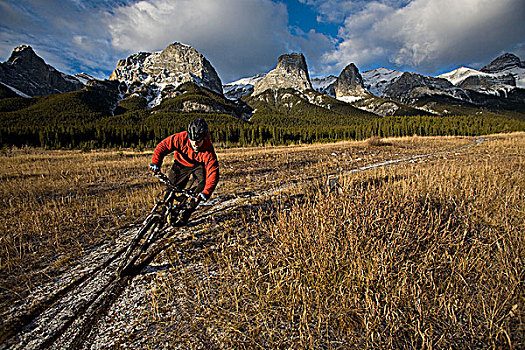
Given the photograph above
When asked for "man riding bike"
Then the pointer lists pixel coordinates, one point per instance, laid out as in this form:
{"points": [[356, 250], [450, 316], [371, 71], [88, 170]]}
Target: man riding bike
{"points": [[194, 155]]}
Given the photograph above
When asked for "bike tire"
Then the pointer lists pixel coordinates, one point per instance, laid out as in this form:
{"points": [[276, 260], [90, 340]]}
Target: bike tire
{"points": [[152, 235], [134, 250]]}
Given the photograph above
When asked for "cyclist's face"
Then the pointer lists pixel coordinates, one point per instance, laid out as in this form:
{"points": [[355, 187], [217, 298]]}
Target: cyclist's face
{"points": [[196, 144]]}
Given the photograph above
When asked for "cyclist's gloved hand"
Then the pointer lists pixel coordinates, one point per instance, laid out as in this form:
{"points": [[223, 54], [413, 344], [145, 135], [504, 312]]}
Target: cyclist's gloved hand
{"points": [[202, 197], [154, 168]]}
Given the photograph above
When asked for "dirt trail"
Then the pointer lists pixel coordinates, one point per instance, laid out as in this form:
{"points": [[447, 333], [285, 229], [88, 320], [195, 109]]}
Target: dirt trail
{"points": [[89, 305]]}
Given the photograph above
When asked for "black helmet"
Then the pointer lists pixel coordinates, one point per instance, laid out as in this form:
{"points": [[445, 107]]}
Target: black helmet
{"points": [[197, 130]]}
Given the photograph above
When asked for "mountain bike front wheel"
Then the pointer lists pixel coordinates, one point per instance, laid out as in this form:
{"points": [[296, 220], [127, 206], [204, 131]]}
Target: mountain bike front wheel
{"points": [[135, 248]]}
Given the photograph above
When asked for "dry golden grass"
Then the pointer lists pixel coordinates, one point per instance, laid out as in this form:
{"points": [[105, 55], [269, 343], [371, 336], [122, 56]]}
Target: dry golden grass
{"points": [[414, 256], [424, 255], [376, 141], [55, 204]]}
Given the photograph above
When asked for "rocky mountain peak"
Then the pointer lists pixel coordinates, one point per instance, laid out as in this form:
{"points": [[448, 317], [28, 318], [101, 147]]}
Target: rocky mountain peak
{"points": [[182, 58], [292, 61], [24, 55], [154, 72], [502, 63], [411, 86], [29, 74], [349, 82], [291, 72]]}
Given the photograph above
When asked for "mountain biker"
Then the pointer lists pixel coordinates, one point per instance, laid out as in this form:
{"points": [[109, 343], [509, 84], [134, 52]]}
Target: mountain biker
{"points": [[194, 155]]}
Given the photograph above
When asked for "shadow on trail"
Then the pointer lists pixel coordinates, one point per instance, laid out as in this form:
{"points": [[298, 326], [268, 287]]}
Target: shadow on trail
{"points": [[16, 322]]}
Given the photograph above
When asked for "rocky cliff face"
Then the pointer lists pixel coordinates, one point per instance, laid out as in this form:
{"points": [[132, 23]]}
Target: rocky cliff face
{"points": [[148, 74], [291, 73], [29, 74], [411, 86], [349, 83], [504, 62], [488, 83]]}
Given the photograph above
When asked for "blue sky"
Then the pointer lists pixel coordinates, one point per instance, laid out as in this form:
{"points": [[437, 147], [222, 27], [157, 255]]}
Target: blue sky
{"points": [[245, 37]]}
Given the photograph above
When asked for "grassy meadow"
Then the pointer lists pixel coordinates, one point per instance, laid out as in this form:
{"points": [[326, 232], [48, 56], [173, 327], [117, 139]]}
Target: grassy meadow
{"points": [[423, 254]]}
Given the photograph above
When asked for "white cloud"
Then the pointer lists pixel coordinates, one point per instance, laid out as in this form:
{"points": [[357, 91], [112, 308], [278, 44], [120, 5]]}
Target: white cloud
{"points": [[245, 37], [313, 45], [429, 35], [239, 37], [68, 35], [334, 10], [337, 10]]}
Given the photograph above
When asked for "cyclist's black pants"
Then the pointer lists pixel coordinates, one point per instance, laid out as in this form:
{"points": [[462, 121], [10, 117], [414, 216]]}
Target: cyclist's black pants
{"points": [[180, 176]]}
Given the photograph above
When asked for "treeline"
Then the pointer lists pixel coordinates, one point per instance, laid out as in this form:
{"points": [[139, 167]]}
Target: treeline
{"points": [[141, 129], [90, 119]]}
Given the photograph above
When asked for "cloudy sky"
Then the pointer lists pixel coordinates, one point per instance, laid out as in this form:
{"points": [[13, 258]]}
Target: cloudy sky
{"points": [[245, 37]]}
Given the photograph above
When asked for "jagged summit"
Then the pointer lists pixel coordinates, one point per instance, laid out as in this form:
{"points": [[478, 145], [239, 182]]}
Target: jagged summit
{"points": [[24, 54], [180, 73], [151, 74], [291, 72], [504, 62], [29, 74], [292, 61], [349, 84], [503, 74]]}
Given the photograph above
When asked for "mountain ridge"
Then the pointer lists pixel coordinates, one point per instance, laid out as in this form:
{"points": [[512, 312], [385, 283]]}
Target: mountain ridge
{"points": [[154, 77], [28, 73]]}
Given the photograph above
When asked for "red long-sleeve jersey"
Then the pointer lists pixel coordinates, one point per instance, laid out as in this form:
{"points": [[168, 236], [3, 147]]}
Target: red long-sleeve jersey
{"points": [[184, 154]]}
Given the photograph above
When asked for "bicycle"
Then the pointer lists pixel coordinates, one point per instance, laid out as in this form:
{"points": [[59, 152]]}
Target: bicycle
{"points": [[165, 213]]}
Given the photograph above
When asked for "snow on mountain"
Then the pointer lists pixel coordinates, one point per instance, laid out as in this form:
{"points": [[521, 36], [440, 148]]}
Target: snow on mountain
{"points": [[349, 99], [322, 84], [249, 80], [458, 75], [16, 91], [519, 75], [376, 80], [239, 88], [504, 73], [487, 83], [84, 77], [409, 87], [502, 63]]}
